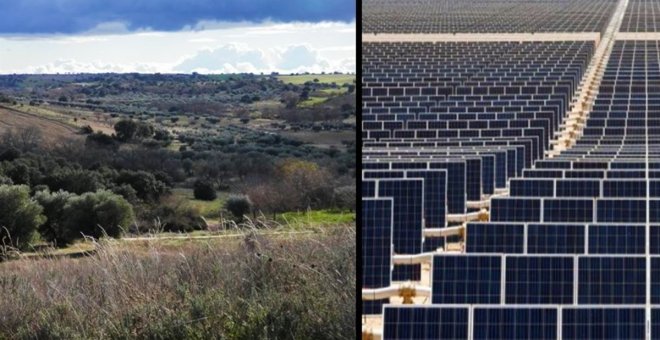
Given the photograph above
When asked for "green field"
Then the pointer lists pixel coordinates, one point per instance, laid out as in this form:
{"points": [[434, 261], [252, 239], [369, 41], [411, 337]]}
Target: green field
{"points": [[339, 79], [208, 209], [316, 218], [312, 101]]}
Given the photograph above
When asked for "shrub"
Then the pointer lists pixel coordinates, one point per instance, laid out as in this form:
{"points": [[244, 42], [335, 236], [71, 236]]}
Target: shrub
{"points": [[20, 216], [100, 139], [86, 130], [239, 206], [53, 204], [127, 130], [146, 185], [175, 215], [95, 214], [203, 190], [74, 180], [10, 154]]}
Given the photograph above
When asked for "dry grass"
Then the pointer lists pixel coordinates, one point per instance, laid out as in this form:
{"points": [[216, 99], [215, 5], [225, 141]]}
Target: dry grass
{"points": [[251, 288], [52, 130]]}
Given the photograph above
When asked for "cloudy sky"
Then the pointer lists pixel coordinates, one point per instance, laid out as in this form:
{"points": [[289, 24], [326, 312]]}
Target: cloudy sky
{"points": [[207, 36]]}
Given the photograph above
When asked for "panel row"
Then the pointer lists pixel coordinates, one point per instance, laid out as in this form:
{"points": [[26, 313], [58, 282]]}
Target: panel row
{"points": [[520, 322]]}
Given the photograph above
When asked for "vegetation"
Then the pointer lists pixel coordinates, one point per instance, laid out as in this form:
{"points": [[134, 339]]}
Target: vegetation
{"points": [[20, 216], [260, 287], [239, 206], [129, 156], [203, 190]]}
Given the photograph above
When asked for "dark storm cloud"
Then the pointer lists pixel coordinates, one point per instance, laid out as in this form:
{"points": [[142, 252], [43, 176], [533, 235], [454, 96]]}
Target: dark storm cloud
{"points": [[74, 16]]}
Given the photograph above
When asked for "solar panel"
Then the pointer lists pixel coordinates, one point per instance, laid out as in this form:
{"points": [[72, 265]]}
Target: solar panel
{"points": [[515, 210], [408, 200], [532, 188], [611, 280], [435, 191], [515, 323], [603, 323], [377, 217], [427, 322], [654, 242], [568, 210], [555, 239], [466, 279], [617, 239], [539, 280], [624, 188], [577, 188], [633, 211], [495, 238]]}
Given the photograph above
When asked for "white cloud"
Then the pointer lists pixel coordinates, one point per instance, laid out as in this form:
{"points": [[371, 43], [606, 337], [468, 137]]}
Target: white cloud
{"points": [[73, 66], [267, 47], [225, 58], [234, 58]]}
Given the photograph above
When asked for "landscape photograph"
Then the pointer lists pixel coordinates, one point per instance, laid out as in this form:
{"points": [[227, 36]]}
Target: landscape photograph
{"points": [[178, 169]]}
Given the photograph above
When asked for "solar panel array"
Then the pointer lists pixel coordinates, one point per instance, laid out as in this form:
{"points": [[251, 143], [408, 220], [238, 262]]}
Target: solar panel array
{"points": [[485, 16], [573, 250], [641, 16]]}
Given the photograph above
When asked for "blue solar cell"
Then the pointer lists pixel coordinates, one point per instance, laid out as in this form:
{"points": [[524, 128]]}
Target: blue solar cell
{"points": [[426, 322], [603, 323], [568, 210], [633, 211], [655, 281], [539, 280], [577, 188], [612, 188], [377, 217], [655, 323], [611, 280], [617, 239], [488, 174], [408, 200], [555, 239], [494, 238], [531, 187], [456, 185], [654, 213], [515, 323], [435, 196], [466, 279], [654, 242], [368, 189], [435, 192], [473, 179], [515, 210]]}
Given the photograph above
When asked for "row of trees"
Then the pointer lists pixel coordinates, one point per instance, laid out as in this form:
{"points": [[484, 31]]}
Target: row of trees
{"points": [[60, 217]]}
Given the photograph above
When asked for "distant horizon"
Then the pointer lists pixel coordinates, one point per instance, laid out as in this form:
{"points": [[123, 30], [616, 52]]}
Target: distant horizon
{"points": [[178, 73]]}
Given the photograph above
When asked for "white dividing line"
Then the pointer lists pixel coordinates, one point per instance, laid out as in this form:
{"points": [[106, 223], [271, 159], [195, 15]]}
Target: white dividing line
{"points": [[574, 123]]}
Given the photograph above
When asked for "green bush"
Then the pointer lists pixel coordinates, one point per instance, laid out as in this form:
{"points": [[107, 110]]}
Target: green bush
{"points": [[146, 185], [203, 190], [95, 214], [20, 216], [239, 206], [53, 230], [175, 215]]}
